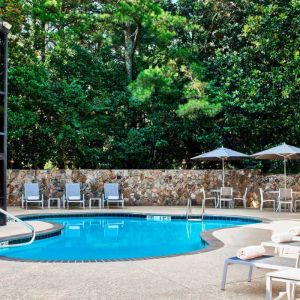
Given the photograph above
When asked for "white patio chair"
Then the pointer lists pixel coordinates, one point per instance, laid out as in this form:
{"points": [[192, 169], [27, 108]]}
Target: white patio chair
{"points": [[226, 195], [205, 198], [243, 199], [112, 194], [73, 195], [32, 195], [268, 262], [296, 201], [263, 200], [285, 198]]}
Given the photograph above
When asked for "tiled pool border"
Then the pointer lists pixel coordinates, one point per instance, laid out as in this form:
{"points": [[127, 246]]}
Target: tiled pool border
{"points": [[25, 237], [207, 236]]}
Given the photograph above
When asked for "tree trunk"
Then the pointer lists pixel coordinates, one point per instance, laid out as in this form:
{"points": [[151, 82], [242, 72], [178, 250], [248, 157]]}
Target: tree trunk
{"points": [[43, 41], [128, 52], [131, 40]]}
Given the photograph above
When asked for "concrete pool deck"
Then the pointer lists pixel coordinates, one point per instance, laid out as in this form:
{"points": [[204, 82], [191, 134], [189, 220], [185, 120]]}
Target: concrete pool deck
{"points": [[196, 276]]}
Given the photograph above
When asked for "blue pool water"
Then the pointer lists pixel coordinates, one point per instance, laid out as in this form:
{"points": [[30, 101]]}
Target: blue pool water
{"points": [[96, 238]]}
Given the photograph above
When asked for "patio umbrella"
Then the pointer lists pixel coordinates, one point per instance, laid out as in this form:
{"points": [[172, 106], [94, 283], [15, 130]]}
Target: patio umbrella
{"points": [[283, 152], [221, 154]]}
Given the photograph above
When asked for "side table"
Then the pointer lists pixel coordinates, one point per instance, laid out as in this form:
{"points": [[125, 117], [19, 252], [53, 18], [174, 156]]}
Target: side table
{"points": [[95, 199], [53, 199]]}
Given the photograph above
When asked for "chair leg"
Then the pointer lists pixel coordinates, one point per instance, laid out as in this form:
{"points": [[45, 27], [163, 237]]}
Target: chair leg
{"points": [[261, 205], [224, 276], [250, 273]]}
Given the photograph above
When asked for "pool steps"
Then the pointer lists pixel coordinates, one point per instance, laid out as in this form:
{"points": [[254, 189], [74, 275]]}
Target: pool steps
{"points": [[6, 244]]}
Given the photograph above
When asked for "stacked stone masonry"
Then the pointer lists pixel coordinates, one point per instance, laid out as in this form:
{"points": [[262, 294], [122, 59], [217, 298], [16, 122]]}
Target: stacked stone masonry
{"points": [[147, 187]]}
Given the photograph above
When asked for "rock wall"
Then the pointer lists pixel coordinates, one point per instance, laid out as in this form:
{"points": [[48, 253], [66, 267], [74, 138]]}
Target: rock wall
{"points": [[147, 187]]}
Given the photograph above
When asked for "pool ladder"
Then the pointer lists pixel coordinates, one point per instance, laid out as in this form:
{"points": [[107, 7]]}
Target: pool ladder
{"points": [[189, 210], [15, 219]]}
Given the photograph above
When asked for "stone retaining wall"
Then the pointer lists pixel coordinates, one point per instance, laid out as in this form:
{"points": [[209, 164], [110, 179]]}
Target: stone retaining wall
{"points": [[147, 187]]}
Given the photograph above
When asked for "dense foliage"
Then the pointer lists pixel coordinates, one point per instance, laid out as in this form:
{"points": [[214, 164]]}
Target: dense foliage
{"points": [[147, 83]]}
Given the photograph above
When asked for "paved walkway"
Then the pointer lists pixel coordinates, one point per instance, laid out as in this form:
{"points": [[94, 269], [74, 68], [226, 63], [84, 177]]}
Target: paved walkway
{"points": [[195, 276]]}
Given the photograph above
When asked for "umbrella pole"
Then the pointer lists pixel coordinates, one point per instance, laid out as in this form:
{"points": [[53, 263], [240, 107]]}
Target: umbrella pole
{"points": [[284, 165], [223, 173]]}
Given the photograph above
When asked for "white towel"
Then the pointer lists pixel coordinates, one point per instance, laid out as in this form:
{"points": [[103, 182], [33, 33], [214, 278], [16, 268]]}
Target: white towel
{"points": [[295, 231], [251, 252], [283, 237]]}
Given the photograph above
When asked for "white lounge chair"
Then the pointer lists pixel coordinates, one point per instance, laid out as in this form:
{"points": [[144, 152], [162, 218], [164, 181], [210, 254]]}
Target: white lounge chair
{"points": [[280, 248], [32, 195], [226, 195], [268, 262], [243, 199], [205, 198], [285, 198], [73, 195], [291, 278], [112, 194], [263, 200]]}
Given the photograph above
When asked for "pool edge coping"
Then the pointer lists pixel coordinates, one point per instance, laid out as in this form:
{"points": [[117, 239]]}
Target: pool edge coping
{"points": [[43, 234]]}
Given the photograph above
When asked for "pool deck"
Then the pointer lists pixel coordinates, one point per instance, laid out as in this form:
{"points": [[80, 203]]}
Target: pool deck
{"points": [[196, 276]]}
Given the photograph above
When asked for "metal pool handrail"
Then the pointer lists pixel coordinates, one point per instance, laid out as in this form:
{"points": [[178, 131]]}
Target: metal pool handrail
{"points": [[30, 227], [189, 208]]}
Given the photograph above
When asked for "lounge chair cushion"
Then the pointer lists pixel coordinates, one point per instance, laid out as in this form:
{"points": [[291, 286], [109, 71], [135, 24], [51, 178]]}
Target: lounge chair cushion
{"points": [[113, 197], [33, 198], [74, 198]]}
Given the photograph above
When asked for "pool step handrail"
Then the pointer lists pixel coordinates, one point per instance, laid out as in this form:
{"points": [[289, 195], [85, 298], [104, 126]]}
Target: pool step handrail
{"points": [[189, 209], [16, 219]]}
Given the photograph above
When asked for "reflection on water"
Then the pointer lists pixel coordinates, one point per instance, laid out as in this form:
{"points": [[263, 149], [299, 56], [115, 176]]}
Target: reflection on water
{"points": [[116, 238]]}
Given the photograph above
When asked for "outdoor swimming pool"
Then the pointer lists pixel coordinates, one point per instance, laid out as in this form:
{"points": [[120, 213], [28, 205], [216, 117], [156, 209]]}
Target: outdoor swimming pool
{"points": [[119, 237]]}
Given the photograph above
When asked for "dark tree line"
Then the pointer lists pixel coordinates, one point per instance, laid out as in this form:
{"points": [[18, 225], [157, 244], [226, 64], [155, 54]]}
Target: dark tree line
{"points": [[145, 83]]}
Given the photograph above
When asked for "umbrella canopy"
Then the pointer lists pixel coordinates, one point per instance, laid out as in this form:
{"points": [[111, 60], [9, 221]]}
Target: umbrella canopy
{"points": [[283, 151], [221, 154]]}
